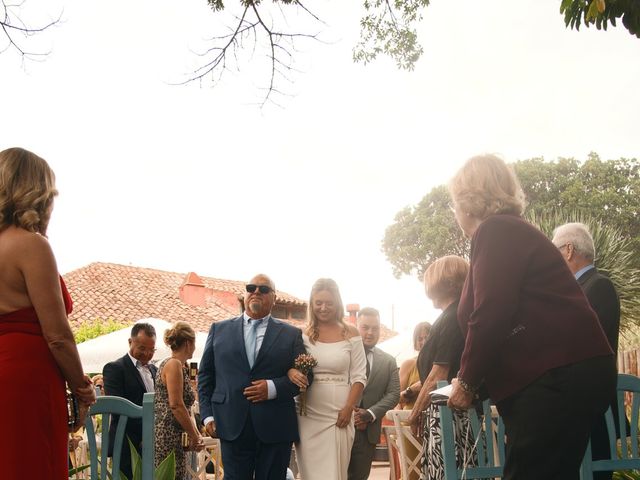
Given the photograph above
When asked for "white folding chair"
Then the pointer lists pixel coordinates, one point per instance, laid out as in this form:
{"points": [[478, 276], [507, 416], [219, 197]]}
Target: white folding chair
{"points": [[409, 466], [198, 461]]}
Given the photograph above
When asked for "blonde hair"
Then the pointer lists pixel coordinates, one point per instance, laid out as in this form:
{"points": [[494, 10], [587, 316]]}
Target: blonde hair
{"points": [[176, 336], [445, 277], [329, 285], [486, 185], [419, 328], [27, 189]]}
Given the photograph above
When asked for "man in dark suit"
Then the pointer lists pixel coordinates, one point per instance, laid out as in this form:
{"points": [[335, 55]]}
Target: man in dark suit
{"points": [[381, 394], [244, 393], [130, 377], [577, 248]]}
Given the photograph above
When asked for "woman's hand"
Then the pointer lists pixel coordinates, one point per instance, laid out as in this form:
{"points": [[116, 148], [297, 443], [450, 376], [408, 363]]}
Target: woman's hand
{"points": [[196, 442], [86, 393], [344, 416], [298, 378], [407, 396], [415, 421], [460, 399]]}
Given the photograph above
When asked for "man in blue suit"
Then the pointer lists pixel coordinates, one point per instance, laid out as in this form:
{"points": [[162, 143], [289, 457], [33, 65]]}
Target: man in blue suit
{"points": [[244, 393]]}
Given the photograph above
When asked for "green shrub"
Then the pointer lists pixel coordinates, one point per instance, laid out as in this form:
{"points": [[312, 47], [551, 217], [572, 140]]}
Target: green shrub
{"points": [[96, 328], [626, 475]]}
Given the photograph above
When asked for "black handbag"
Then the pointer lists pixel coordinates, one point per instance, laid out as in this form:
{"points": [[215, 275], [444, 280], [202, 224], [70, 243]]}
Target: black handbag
{"points": [[73, 413]]}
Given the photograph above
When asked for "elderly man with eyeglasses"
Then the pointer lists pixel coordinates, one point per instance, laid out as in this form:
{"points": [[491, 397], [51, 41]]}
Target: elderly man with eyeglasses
{"points": [[245, 396], [130, 377], [577, 247]]}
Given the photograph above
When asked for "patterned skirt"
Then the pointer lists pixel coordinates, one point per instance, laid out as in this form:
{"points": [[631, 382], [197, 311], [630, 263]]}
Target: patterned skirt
{"points": [[432, 460]]}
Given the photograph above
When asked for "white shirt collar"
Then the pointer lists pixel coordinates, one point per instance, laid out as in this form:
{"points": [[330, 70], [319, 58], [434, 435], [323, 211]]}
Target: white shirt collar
{"points": [[246, 317], [135, 361]]}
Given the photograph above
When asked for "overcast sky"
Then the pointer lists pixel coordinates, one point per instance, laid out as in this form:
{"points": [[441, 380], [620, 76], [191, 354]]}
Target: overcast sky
{"points": [[195, 178]]}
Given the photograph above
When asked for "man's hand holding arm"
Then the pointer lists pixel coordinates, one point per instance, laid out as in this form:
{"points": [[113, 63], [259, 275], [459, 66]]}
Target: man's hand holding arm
{"points": [[260, 390], [283, 385]]}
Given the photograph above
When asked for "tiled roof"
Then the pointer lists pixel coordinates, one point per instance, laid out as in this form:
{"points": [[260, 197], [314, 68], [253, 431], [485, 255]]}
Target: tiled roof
{"points": [[127, 294]]}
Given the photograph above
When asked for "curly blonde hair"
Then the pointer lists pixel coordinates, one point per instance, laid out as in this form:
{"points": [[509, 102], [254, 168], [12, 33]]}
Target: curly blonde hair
{"points": [[176, 336], [329, 285], [486, 185], [27, 190]]}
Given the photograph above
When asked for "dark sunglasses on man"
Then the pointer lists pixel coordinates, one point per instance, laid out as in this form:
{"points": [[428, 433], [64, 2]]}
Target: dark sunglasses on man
{"points": [[264, 289]]}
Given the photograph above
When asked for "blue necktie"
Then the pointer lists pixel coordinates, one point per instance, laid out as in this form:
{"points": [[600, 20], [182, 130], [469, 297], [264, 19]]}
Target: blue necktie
{"points": [[252, 340]]}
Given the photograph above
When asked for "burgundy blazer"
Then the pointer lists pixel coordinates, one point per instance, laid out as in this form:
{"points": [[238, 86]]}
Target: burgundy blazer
{"points": [[521, 309]]}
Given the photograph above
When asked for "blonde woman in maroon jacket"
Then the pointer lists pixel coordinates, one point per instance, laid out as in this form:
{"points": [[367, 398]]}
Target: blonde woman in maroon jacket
{"points": [[531, 337]]}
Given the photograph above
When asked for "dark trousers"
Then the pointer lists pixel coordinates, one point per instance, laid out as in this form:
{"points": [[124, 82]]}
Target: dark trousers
{"points": [[548, 423], [246, 457], [361, 457]]}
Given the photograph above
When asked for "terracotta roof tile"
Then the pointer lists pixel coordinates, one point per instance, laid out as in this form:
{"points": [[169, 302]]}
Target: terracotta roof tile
{"points": [[127, 294]]}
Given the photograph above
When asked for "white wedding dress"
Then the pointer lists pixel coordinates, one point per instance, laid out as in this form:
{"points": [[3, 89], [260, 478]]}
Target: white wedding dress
{"points": [[324, 450]]}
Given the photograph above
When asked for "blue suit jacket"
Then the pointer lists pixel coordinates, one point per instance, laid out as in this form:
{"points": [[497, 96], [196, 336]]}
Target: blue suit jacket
{"points": [[224, 373]]}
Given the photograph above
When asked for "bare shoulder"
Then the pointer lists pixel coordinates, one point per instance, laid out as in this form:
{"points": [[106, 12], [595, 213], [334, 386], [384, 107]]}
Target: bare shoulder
{"points": [[21, 238], [172, 368], [173, 363], [23, 242], [352, 332], [26, 257], [409, 363]]}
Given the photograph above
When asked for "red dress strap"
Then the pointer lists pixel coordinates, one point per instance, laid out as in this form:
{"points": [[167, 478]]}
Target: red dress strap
{"points": [[68, 301]]}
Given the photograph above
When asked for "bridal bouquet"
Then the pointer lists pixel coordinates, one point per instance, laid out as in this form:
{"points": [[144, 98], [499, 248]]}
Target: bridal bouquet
{"points": [[305, 363]]}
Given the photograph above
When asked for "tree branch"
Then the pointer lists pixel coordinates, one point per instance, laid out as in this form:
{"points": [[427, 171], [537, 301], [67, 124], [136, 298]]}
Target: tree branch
{"points": [[14, 29], [277, 45]]}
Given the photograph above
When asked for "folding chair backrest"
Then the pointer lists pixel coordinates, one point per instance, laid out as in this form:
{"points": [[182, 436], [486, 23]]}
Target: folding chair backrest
{"points": [[486, 433], [627, 457], [106, 407], [410, 465], [392, 449]]}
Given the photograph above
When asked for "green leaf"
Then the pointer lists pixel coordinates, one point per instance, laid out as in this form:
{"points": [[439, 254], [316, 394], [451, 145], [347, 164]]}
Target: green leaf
{"points": [[592, 12], [73, 471], [136, 462], [564, 5], [167, 468]]}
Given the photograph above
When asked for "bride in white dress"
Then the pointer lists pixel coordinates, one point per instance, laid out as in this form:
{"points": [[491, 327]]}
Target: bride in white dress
{"points": [[327, 430]]}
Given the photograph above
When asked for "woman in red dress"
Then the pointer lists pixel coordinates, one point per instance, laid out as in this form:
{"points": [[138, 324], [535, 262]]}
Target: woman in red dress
{"points": [[37, 350]]}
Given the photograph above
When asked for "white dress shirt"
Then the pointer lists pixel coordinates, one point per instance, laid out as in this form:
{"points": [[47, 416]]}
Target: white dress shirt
{"points": [[145, 373]]}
